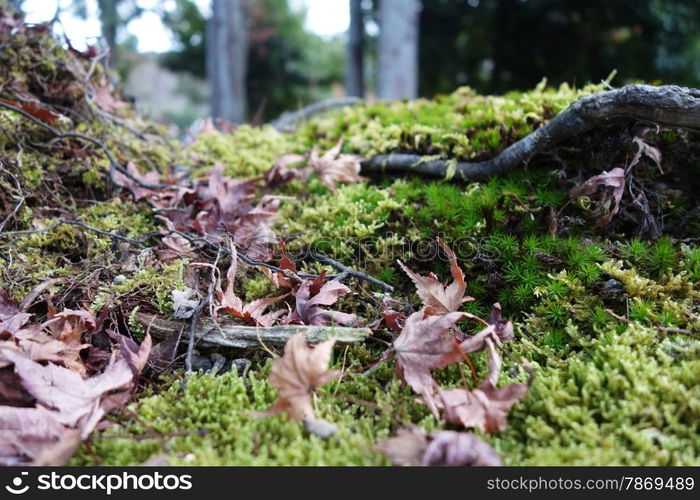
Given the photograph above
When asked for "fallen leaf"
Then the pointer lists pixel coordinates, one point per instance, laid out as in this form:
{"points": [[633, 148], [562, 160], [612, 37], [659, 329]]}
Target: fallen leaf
{"points": [[333, 167], [255, 311], [459, 449], [444, 448], [645, 149], [295, 376], [68, 407], [608, 187], [406, 448], [426, 343], [280, 173], [486, 407], [439, 298], [308, 305], [35, 109]]}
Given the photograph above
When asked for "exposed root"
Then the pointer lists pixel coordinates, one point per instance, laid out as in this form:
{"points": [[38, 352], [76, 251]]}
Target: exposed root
{"points": [[667, 105]]}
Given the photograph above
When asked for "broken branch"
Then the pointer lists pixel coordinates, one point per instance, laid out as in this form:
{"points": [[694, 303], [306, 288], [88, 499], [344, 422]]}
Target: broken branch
{"points": [[227, 334]]}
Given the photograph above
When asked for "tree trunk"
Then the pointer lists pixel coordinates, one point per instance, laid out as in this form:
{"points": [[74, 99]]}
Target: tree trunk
{"points": [[354, 66], [398, 49], [227, 60], [109, 21]]}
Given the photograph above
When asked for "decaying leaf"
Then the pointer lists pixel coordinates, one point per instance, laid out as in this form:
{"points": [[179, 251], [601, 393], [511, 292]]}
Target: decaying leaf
{"points": [[459, 449], [254, 312], [280, 173], [426, 343], [308, 304], [486, 407], [436, 297], [295, 376], [333, 167], [429, 341], [36, 109], [608, 187], [68, 406], [648, 150], [444, 448]]}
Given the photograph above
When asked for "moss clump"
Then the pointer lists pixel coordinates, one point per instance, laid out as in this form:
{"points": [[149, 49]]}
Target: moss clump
{"points": [[462, 125], [153, 284], [624, 401], [351, 223], [247, 152], [215, 414]]}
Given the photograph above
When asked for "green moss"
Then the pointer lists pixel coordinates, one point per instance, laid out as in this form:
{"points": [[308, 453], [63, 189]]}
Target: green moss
{"points": [[349, 223], [461, 125], [153, 284], [247, 152], [215, 416], [624, 401]]}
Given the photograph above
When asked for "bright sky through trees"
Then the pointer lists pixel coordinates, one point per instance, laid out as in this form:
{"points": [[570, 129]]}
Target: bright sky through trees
{"points": [[324, 17]]}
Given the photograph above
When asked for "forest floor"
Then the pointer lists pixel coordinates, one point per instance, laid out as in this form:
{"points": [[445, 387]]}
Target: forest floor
{"points": [[596, 268]]}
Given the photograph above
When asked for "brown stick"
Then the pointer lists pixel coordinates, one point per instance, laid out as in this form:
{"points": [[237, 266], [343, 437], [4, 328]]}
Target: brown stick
{"points": [[665, 105], [229, 334]]}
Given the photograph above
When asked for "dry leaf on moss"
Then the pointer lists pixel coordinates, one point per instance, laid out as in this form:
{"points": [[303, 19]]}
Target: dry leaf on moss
{"points": [[439, 298], [335, 167], [296, 374], [608, 187], [486, 407], [444, 448], [255, 311], [308, 304], [426, 343]]}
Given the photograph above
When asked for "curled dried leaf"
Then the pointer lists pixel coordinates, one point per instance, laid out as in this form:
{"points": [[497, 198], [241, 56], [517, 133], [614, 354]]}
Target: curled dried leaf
{"points": [[436, 297], [333, 167], [485, 407], [295, 376]]}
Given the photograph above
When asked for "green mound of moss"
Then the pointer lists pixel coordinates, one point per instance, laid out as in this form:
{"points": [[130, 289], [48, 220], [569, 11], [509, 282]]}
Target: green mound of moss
{"points": [[607, 316]]}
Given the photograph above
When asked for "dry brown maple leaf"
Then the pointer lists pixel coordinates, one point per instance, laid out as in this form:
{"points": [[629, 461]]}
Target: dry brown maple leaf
{"points": [[485, 407], [308, 304], [443, 448], [439, 298], [426, 343], [295, 376], [333, 167], [253, 312], [608, 187], [68, 406]]}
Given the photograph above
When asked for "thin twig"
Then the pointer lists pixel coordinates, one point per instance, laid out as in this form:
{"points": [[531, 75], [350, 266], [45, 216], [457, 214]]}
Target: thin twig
{"points": [[114, 164], [351, 272]]}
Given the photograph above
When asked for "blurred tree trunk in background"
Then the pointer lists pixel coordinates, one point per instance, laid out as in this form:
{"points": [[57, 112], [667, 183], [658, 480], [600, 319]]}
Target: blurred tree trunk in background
{"points": [[354, 66], [398, 49], [109, 21], [227, 60]]}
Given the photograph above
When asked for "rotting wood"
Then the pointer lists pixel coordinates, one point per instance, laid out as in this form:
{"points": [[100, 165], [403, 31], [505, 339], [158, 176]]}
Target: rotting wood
{"points": [[229, 334]]}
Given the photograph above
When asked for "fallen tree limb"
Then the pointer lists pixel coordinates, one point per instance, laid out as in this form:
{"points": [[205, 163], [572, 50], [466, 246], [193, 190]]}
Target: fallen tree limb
{"points": [[667, 105], [228, 334], [289, 119]]}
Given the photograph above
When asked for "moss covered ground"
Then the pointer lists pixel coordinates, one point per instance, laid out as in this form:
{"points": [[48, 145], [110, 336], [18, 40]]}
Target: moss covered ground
{"points": [[606, 314]]}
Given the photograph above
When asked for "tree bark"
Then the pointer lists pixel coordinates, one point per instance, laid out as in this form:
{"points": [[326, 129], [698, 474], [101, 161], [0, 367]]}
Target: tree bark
{"points": [[667, 105], [354, 66], [109, 21], [227, 60], [398, 49]]}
